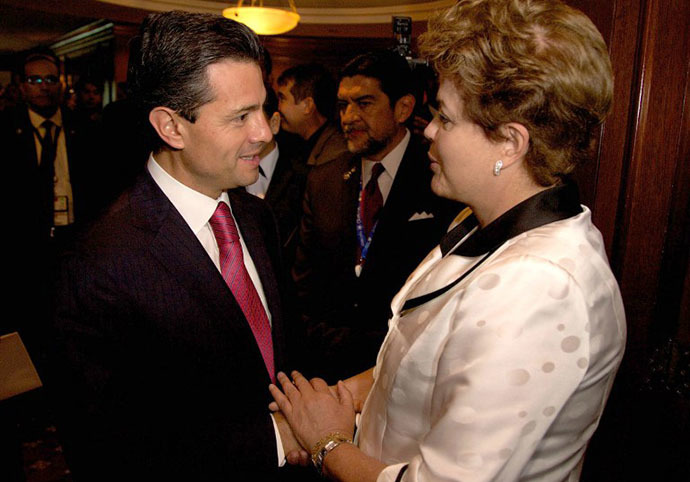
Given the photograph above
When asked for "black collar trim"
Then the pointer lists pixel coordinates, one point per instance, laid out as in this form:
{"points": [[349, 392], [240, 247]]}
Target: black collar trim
{"points": [[554, 204]]}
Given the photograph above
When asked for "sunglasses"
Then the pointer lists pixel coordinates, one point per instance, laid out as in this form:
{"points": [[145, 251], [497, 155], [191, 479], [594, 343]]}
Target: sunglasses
{"points": [[38, 80]]}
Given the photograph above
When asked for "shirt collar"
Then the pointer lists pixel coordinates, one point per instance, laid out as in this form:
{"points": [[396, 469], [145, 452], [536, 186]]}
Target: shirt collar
{"points": [[37, 119], [554, 204], [392, 160], [195, 208], [268, 163]]}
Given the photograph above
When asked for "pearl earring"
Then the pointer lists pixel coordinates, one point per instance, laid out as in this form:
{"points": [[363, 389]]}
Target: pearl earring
{"points": [[497, 167]]}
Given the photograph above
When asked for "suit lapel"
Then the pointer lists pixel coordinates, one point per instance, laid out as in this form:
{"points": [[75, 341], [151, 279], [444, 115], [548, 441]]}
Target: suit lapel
{"points": [[396, 210], [179, 251], [349, 202]]}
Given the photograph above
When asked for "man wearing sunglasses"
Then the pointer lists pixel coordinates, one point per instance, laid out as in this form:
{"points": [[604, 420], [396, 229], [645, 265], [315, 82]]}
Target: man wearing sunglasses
{"points": [[44, 167], [45, 152], [42, 170]]}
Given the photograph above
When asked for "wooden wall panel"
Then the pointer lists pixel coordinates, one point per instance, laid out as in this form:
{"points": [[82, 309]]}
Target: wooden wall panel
{"points": [[331, 52], [641, 206], [623, 38], [665, 56]]}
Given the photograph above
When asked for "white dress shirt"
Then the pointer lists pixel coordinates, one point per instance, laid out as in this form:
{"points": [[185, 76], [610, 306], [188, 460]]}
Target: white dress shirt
{"points": [[268, 166], [63, 213], [196, 209], [390, 163]]}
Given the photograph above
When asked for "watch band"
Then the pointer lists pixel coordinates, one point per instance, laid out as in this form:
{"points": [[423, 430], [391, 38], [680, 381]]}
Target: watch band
{"points": [[324, 446]]}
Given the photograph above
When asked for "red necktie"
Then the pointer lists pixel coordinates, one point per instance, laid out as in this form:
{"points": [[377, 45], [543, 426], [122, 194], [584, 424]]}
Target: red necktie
{"points": [[372, 199], [237, 278]]}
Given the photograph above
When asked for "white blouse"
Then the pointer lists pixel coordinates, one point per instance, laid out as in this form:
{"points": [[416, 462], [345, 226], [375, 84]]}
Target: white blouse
{"points": [[503, 377]]}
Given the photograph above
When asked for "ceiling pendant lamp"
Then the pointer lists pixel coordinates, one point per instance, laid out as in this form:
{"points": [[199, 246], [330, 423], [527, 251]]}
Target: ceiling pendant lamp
{"points": [[264, 20]]}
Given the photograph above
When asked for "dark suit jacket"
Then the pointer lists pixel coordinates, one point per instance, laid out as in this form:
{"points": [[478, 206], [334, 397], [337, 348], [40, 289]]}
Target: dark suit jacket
{"points": [[329, 145], [29, 212], [346, 316], [157, 373], [21, 164], [284, 195]]}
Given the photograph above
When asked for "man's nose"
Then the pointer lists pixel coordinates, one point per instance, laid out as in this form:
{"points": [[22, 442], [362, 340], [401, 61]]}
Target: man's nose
{"points": [[349, 113], [262, 131]]}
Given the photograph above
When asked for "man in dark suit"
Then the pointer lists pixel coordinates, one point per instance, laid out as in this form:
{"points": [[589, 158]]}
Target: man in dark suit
{"points": [[169, 320], [306, 95], [46, 157], [43, 162], [368, 220], [39, 131], [282, 177]]}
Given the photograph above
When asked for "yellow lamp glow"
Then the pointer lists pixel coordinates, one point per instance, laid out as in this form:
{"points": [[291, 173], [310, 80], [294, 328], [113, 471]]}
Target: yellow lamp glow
{"points": [[264, 20]]}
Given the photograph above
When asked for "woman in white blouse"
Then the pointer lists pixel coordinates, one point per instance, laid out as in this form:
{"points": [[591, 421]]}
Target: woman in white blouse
{"points": [[504, 342]]}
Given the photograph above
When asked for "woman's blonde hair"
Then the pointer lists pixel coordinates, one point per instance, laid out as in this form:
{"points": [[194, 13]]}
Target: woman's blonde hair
{"points": [[540, 63]]}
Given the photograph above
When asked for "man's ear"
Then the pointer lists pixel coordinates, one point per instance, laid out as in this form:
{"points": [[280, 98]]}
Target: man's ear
{"points": [[167, 125], [403, 108], [274, 123], [308, 105], [516, 143]]}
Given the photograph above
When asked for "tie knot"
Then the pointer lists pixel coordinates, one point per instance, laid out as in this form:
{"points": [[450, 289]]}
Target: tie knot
{"points": [[47, 124], [376, 171], [223, 225]]}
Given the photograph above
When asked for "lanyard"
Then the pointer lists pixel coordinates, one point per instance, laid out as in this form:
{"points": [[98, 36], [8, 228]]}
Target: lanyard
{"points": [[363, 240]]}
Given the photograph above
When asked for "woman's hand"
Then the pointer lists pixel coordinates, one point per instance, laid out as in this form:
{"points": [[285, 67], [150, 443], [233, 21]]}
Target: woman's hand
{"points": [[312, 410]]}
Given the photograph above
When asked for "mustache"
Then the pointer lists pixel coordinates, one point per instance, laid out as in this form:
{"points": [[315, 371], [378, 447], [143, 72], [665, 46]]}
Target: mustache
{"points": [[349, 128]]}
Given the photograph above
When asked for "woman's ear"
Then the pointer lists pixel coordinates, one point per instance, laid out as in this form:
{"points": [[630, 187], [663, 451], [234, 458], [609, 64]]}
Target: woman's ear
{"points": [[166, 124], [516, 143]]}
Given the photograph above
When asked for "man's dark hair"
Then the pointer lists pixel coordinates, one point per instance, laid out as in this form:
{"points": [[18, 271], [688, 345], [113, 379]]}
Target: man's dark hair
{"points": [[80, 85], [312, 80], [38, 53], [171, 55], [386, 66]]}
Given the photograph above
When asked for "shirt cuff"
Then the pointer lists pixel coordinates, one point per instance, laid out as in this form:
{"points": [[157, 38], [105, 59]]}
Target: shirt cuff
{"points": [[279, 443]]}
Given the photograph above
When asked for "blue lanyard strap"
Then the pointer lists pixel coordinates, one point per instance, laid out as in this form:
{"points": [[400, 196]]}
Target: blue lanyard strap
{"points": [[362, 238]]}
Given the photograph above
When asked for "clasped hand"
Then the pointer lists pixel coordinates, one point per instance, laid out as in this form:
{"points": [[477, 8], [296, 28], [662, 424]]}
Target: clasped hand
{"points": [[312, 409]]}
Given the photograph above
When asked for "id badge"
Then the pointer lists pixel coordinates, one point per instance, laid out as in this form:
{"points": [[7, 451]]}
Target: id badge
{"points": [[61, 211]]}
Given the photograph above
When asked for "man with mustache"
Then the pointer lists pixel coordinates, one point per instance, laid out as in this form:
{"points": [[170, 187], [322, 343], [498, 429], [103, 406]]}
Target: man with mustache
{"points": [[368, 220]]}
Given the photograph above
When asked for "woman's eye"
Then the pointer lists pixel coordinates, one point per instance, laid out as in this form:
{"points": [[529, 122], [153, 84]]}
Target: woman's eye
{"points": [[439, 115]]}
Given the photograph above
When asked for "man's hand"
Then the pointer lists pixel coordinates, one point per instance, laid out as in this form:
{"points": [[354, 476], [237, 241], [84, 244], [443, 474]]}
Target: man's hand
{"points": [[312, 410], [294, 453]]}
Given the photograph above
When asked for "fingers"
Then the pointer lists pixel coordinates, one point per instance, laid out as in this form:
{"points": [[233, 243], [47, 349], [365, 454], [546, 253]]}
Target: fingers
{"points": [[281, 400], [319, 385], [273, 407], [298, 457], [344, 396], [300, 382], [288, 387]]}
